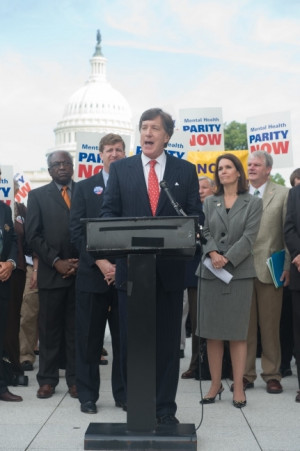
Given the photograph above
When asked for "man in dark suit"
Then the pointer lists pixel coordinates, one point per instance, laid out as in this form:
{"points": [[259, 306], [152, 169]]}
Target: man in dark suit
{"points": [[127, 196], [292, 239], [96, 295], [47, 231], [8, 258]]}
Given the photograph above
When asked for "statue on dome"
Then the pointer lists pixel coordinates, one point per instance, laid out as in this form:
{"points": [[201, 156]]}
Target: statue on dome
{"points": [[98, 37]]}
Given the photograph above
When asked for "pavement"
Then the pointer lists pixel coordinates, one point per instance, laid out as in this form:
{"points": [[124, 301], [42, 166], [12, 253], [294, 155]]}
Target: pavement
{"points": [[268, 422]]}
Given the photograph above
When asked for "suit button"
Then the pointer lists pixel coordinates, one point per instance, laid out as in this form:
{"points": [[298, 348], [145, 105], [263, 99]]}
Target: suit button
{"points": [[222, 234]]}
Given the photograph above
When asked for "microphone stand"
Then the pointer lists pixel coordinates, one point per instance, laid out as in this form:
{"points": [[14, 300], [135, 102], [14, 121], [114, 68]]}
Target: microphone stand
{"points": [[200, 239]]}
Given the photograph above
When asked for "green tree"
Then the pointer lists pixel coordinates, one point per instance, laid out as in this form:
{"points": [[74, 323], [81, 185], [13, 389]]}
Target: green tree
{"points": [[277, 178], [235, 136]]}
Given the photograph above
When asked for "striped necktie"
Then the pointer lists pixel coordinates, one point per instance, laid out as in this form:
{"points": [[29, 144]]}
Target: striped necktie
{"points": [[256, 192]]}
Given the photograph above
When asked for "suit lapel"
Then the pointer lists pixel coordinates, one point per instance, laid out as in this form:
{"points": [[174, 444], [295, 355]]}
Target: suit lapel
{"points": [[220, 209], [171, 176], [238, 205], [137, 172], [56, 195], [268, 195]]}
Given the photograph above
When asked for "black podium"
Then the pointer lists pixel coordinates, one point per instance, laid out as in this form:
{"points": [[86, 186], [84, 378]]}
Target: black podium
{"points": [[141, 240]]}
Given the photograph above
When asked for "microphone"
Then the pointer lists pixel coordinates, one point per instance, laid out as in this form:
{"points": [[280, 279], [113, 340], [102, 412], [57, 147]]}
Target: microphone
{"points": [[163, 184]]}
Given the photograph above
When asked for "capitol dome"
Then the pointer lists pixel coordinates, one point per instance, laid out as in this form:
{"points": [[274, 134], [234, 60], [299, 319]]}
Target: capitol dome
{"points": [[95, 107]]}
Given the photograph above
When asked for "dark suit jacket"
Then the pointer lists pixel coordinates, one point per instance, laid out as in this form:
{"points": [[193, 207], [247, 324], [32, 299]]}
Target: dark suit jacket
{"points": [[126, 196], [47, 233], [86, 203], [9, 238], [292, 233]]}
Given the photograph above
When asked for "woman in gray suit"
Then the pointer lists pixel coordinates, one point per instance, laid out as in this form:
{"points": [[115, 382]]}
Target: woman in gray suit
{"points": [[232, 218]]}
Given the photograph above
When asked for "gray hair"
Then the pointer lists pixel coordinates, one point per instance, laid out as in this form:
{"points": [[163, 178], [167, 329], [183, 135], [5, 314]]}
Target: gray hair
{"points": [[263, 156], [211, 181], [50, 155]]}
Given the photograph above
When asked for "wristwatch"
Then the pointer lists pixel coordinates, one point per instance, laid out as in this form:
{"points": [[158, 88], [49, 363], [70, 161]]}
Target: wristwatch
{"points": [[13, 263]]}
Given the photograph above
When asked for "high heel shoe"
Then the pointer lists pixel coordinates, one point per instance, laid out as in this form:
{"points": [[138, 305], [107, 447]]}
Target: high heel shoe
{"points": [[211, 400], [239, 404]]}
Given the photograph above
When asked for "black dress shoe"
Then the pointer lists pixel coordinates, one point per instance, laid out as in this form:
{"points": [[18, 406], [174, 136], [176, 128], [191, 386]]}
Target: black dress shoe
{"points": [[167, 419], [122, 405], [27, 366], [285, 372], [19, 379], [88, 407], [246, 385]]}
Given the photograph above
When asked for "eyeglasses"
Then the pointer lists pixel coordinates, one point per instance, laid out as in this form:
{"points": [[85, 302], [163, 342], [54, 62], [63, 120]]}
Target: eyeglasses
{"points": [[58, 164]]}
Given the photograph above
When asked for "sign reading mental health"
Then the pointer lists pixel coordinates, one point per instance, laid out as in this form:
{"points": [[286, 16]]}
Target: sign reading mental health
{"points": [[205, 162], [272, 133], [7, 185], [87, 159], [203, 129]]}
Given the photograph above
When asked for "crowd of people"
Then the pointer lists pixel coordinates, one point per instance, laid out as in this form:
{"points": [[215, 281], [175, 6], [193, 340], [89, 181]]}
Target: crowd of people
{"points": [[55, 293]]}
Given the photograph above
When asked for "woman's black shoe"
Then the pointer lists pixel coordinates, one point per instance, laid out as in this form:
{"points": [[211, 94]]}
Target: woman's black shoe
{"points": [[211, 400], [239, 404]]}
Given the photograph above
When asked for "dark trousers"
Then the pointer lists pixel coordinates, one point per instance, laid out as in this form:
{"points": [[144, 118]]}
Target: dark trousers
{"points": [[286, 329], [4, 298], [192, 298], [296, 329], [168, 331], [11, 339], [93, 310], [56, 326]]}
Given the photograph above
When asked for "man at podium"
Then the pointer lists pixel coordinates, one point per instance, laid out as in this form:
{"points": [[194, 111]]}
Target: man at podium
{"points": [[133, 190]]}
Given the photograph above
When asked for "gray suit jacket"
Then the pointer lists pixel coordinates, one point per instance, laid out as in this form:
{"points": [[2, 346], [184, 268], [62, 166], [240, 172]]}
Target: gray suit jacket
{"points": [[232, 234], [270, 237]]}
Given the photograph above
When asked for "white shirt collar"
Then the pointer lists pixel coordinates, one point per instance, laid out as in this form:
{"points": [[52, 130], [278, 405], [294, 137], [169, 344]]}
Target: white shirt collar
{"points": [[260, 188]]}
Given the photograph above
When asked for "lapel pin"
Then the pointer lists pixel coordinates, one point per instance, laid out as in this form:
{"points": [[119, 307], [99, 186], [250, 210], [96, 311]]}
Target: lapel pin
{"points": [[98, 190]]}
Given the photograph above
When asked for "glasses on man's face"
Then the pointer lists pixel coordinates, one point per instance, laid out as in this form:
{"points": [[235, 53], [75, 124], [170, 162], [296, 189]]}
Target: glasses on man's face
{"points": [[58, 164]]}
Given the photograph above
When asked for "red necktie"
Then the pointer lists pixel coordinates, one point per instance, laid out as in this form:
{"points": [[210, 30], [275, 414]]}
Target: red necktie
{"points": [[65, 195], [153, 187]]}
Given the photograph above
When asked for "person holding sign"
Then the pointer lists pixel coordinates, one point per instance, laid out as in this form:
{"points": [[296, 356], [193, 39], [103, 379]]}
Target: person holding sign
{"points": [[232, 218]]}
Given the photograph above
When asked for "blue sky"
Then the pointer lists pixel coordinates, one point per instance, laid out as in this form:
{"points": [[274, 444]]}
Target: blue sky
{"points": [[240, 55]]}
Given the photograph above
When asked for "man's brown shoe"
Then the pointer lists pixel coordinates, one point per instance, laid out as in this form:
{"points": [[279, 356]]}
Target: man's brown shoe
{"points": [[8, 396], [298, 396], [246, 385], [45, 391], [189, 374], [73, 391], [274, 386]]}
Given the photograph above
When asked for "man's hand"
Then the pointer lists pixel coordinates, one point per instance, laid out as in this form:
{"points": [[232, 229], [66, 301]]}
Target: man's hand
{"points": [[108, 270], [285, 278], [6, 268], [296, 262], [67, 267]]}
